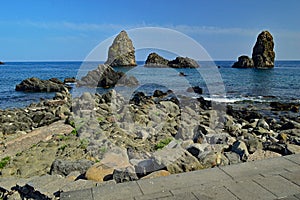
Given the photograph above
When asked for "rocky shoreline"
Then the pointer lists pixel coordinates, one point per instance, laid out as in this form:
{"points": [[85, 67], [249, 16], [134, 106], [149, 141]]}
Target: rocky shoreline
{"points": [[69, 143], [114, 141]]}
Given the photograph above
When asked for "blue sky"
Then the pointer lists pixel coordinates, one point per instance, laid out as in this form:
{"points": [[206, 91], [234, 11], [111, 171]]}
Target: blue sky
{"points": [[69, 30]]}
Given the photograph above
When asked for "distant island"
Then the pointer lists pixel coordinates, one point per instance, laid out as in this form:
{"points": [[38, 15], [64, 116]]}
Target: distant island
{"points": [[2, 63]]}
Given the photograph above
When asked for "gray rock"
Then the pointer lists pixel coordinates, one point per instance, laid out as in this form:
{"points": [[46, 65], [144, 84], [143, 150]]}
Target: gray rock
{"points": [[243, 62], [196, 149], [240, 148], [262, 123], [233, 157], [64, 167], [181, 62], [105, 76], [263, 54], [121, 52], [126, 174], [155, 60], [217, 138], [37, 85], [175, 160]]}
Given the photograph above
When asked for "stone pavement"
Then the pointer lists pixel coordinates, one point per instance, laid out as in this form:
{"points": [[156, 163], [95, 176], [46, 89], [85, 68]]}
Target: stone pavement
{"points": [[276, 178]]}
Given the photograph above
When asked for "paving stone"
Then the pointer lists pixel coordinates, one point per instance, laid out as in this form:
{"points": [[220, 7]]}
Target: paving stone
{"points": [[292, 176], [268, 166], [185, 179], [278, 185], [154, 196], [289, 198], [126, 190], [297, 195], [246, 190], [78, 185], [185, 196], [294, 158], [77, 195]]}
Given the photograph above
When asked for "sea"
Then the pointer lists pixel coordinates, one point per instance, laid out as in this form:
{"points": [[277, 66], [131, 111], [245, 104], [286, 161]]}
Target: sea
{"points": [[218, 80]]}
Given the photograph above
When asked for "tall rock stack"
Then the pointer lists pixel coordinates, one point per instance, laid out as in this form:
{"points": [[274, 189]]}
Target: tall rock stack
{"points": [[121, 52], [263, 55]]}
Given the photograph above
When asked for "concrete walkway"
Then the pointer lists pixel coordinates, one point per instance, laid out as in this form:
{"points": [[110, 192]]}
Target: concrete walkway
{"points": [[277, 178]]}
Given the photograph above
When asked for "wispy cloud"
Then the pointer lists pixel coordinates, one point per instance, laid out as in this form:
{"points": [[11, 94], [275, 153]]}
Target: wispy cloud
{"points": [[187, 29]]}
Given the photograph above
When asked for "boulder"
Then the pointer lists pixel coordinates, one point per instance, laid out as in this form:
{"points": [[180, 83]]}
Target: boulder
{"points": [[181, 62], [116, 158], [155, 60], [105, 76], [125, 174], [121, 52], [37, 85], [64, 167], [70, 80], [240, 148], [175, 160], [157, 174], [195, 89], [263, 54], [243, 62]]}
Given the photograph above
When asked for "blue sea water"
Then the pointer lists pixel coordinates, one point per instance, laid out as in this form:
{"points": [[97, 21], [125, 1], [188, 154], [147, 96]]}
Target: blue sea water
{"points": [[281, 83]]}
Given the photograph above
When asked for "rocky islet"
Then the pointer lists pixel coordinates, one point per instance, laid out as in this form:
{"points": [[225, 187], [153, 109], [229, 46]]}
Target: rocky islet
{"points": [[121, 52], [156, 61], [263, 54]]}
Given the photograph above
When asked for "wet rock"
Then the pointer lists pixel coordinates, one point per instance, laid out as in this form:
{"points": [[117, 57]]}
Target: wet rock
{"points": [[263, 54], [181, 62], [121, 52], [155, 60], [195, 89], [70, 80], [243, 62], [37, 85]]}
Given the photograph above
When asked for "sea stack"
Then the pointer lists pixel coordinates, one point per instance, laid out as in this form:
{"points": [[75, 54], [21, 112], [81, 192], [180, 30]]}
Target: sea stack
{"points": [[121, 52], [263, 54], [154, 59], [243, 62]]}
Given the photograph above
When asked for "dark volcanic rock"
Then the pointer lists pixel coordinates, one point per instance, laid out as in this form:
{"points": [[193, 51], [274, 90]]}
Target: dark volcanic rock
{"points": [[195, 89], [263, 55], [37, 85], [105, 76], [65, 167], [2, 63], [121, 52], [70, 80], [243, 62], [155, 60], [181, 62]]}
